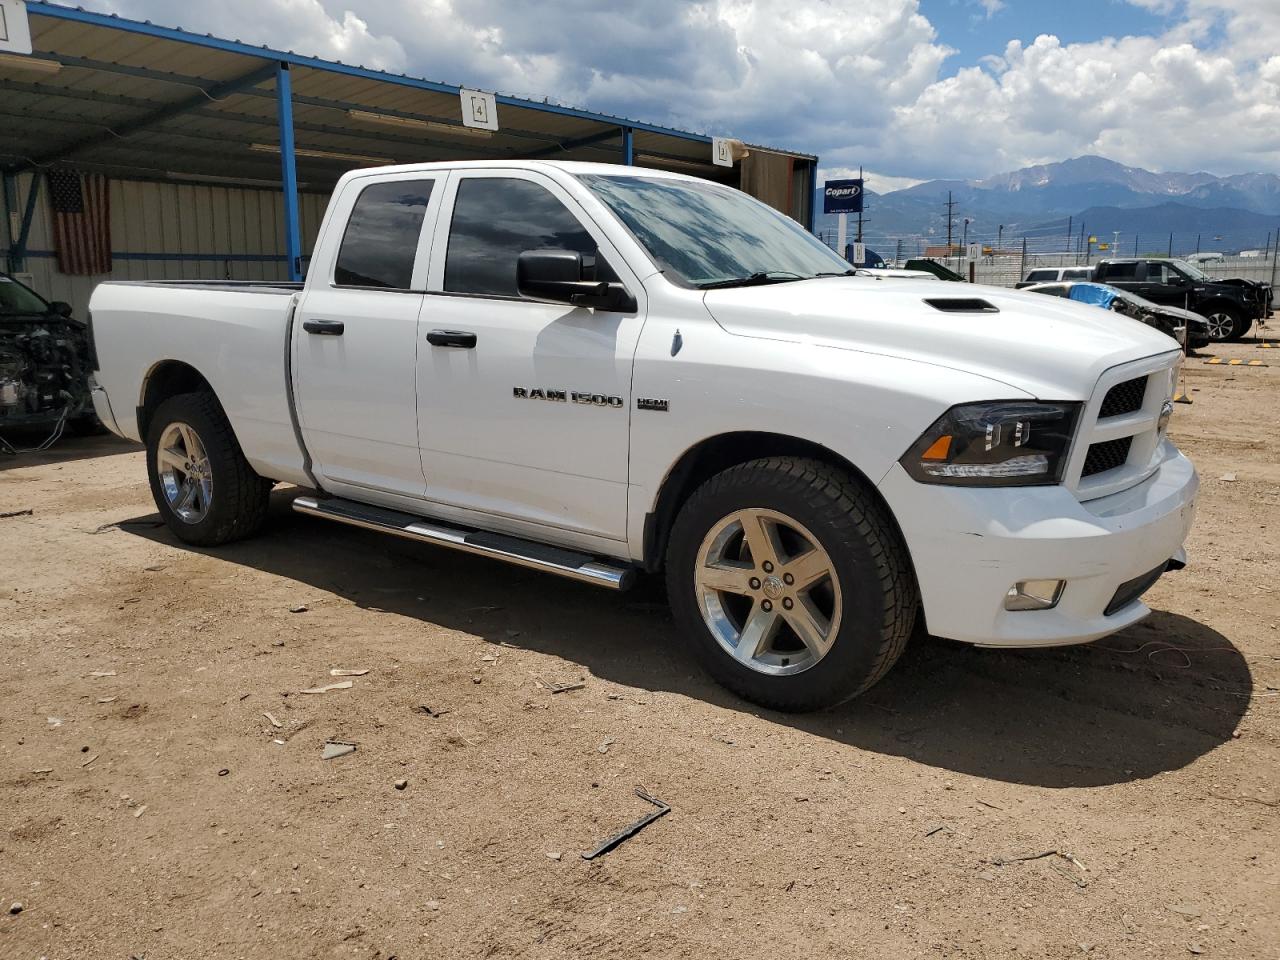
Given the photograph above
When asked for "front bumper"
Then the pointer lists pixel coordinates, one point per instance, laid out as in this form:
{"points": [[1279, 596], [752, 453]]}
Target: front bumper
{"points": [[969, 546]]}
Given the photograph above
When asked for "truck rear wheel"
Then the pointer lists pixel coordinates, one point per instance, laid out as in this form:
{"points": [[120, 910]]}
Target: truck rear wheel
{"points": [[791, 582], [203, 486]]}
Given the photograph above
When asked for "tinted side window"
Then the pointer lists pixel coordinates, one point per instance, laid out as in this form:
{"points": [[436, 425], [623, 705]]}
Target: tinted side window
{"points": [[1042, 275], [1120, 271], [494, 221], [381, 238]]}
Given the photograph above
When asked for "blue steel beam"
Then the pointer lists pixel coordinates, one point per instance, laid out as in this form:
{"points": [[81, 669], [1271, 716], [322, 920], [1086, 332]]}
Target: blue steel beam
{"points": [[628, 146], [121, 131], [18, 248], [289, 171], [10, 208]]}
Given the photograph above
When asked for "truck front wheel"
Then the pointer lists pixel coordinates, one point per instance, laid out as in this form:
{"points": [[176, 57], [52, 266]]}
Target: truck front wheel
{"points": [[792, 583], [203, 486], [1226, 323]]}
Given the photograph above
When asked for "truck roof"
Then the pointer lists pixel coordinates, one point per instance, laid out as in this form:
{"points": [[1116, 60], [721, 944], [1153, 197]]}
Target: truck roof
{"points": [[567, 166]]}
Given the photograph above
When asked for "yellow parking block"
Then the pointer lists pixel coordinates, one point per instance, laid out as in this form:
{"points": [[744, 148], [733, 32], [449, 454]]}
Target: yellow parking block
{"points": [[1236, 362]]}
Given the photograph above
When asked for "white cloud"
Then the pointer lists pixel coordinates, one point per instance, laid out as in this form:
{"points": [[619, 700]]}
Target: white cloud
{"points": [[866, 88]]}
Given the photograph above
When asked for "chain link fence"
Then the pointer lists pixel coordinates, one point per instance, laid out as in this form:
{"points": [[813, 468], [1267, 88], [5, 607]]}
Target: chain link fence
{"points": [[1005, 259]]}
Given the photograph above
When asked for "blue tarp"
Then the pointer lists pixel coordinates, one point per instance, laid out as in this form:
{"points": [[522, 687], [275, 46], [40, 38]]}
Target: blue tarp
{"points": [[1094, 293]]}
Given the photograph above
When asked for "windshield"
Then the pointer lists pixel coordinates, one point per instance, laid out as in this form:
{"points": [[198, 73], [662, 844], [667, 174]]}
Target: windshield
{"points": [[15, 298], [703, 233], [1191, 270]]}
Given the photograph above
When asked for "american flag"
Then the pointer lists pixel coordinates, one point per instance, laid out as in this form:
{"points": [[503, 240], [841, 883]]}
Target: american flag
{"points": [[81, 221]]}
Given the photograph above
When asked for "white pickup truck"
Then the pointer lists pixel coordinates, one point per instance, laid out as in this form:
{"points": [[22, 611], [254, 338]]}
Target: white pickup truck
{"points": [[596, 370]]}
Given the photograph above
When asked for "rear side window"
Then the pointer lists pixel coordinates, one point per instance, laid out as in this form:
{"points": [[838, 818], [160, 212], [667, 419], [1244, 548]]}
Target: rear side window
{"points": [[494, 221], [1077, 274], [1042, 275], [381, 239]]}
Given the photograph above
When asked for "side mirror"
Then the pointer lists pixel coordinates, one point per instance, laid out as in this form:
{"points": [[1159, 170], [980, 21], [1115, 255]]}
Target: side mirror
{"points": [[556, 276], [61, 308]]}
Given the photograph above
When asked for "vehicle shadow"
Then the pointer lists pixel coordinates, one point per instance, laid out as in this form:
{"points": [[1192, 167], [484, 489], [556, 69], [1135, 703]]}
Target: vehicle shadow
{"points": [[66, 449], [1148, 700]]}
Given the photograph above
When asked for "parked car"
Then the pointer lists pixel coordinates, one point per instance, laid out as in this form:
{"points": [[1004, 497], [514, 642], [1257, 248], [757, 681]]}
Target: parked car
{"points": [[595, 370], [935, 268], [1054, 275], [892, 273], [1230, 305], [44, 365], [1199, 259], [1182, 325]]}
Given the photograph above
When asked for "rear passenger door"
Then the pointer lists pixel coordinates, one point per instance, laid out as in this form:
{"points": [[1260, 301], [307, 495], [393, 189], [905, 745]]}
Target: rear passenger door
{"points": [[524, 416], [356, 336]]}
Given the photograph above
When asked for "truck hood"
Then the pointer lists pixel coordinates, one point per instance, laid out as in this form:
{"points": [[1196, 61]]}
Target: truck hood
{"points": [[1051, 348]]}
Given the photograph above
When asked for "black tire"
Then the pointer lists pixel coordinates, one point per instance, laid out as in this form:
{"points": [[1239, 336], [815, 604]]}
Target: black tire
{"points": [[877, 586], [1226, 323], [238, 505]]}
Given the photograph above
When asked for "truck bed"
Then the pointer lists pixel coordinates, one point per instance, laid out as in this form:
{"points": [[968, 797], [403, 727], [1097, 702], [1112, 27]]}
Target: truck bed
{"points": [[233, 333]]}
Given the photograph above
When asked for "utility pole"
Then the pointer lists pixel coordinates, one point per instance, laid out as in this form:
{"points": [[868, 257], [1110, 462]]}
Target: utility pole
{"points": [[1135, 244], [1275, 253], [999, 239], [1080, 246], [1197, 243], [863, 203], [1070, 235], [951, 222], [1170, 246]]}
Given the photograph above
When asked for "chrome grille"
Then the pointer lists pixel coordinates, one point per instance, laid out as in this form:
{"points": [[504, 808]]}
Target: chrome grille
{"points": [[1119, 439]]}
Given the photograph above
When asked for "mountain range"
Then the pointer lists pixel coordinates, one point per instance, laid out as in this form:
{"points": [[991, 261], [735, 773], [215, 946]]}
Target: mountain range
{"points": [[1226, 213]]}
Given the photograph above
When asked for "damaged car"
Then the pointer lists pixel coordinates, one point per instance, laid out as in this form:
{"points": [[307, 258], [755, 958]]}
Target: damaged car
{"points": [[1183, 325], [44, 366]]}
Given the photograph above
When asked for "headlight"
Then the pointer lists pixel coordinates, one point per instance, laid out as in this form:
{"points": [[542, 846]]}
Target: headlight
{"points": [[1001, 443]]}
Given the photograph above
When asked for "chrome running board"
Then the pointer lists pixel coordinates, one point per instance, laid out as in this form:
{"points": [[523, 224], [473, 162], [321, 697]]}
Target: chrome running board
{"points": [[524, 553]]}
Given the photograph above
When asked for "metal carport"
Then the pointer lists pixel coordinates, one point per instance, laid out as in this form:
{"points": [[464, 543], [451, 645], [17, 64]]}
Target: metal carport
{"points": [[190, 127]]}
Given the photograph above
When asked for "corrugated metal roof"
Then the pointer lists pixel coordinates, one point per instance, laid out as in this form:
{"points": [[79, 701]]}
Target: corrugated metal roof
{"points": [[135, 99]]}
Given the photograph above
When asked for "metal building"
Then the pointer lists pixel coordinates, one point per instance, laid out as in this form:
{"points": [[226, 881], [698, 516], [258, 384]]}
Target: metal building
{"points": [[220, 156]]}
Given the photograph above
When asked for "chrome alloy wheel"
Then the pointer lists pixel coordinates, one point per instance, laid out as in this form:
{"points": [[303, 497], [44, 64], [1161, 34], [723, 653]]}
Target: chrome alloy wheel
{"points": [[768, 592], [186, 476], [1220, 325]]}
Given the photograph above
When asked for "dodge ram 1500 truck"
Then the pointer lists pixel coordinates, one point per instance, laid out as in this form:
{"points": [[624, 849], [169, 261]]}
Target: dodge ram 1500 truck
{"points": [[598, 370]]}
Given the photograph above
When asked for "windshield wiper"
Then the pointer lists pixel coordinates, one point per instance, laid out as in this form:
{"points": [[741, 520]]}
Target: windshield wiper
{"points": [[852, 272], [754, 280]]}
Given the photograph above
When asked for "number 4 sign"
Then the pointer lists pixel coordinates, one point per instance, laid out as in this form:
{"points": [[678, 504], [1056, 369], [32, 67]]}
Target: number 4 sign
{"points": [[479, 110], [15, 32]]}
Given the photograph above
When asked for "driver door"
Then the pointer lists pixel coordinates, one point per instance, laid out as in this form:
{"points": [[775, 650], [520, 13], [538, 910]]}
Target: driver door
{"points": [[523, 406]]}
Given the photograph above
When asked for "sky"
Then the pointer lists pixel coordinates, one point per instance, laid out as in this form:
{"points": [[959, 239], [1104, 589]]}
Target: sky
{"points": [[909, 89]]}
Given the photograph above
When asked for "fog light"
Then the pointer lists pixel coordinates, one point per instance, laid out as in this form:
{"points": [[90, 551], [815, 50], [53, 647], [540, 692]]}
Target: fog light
{"points": [[1034, 595]]}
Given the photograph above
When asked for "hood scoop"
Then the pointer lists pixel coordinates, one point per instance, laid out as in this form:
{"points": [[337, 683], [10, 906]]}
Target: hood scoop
{"points": [[961, 305]]}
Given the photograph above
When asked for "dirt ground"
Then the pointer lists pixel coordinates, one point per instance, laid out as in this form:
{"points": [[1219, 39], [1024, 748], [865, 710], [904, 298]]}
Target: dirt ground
{"points": [[162, 792]]}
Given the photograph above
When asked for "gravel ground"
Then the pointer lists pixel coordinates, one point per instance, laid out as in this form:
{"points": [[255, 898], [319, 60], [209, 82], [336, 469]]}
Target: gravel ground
{"points": [[162, 792]]}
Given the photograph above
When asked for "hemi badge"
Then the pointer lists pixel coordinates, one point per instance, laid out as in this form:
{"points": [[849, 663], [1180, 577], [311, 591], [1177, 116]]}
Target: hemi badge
{"points": [[644, 403]]}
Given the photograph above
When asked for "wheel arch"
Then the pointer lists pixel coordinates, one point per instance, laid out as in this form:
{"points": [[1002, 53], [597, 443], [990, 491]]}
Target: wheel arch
{"points": [[165, 379], [713, 454], [1218, 303]]}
